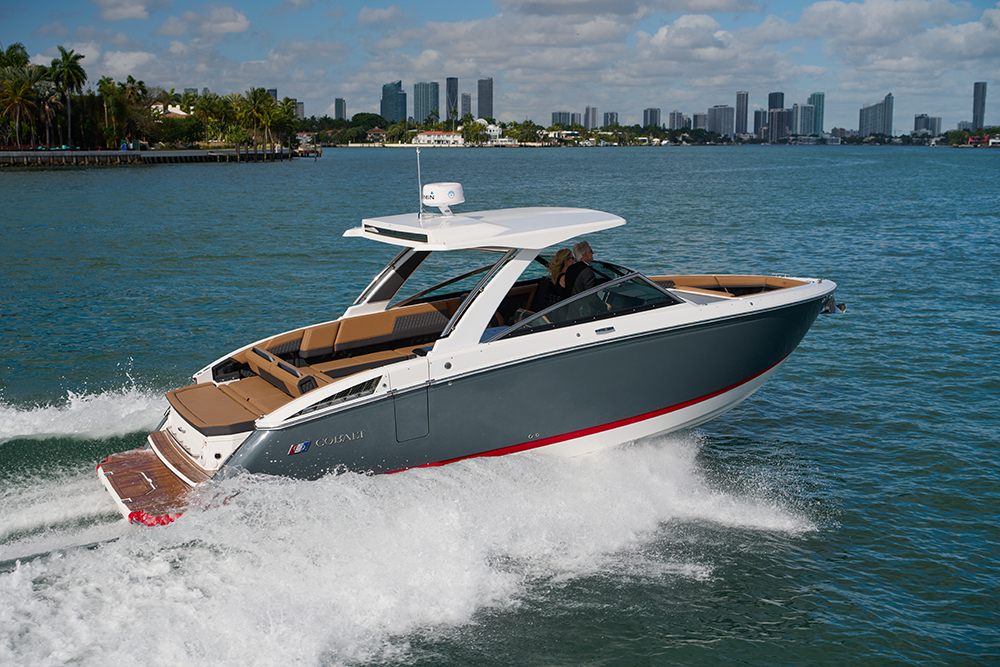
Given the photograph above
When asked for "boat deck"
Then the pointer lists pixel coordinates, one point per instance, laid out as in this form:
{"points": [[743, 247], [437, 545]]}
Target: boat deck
{"points": [[142, 483]]}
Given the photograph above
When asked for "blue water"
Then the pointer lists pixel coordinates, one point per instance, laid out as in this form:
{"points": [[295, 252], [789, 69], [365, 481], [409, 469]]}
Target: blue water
{"points": [[848, 513]]}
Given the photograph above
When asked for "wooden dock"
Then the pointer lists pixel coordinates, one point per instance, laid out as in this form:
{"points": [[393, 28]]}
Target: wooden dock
{"points": [[61, 158]]}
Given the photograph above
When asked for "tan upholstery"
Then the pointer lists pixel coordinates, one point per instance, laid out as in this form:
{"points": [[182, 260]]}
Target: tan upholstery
{"points": [[339, 368], [378, 328], [293, 381], [318, 341], [211, 410]]}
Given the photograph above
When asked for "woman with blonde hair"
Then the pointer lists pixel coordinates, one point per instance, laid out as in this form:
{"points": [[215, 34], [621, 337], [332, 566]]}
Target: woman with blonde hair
{"points": [[552, 288], [557, 272]]}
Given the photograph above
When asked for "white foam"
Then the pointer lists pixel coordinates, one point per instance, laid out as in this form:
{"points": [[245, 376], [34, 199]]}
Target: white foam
{"points": [[348, 568], [116, 412]]}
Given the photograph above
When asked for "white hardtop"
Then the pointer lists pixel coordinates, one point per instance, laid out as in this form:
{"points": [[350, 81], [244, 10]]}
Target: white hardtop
{"points": [[534, 227]]}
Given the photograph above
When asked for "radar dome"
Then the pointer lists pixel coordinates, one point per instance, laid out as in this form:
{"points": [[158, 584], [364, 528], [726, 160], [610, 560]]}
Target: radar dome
{"points": [[443, 195]]}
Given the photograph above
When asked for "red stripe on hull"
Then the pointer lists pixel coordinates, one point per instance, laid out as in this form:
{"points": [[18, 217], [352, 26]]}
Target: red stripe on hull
{"points": [[535, 444]]}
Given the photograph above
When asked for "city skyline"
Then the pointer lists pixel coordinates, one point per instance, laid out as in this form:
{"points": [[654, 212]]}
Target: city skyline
{"points": [[541, 54]]}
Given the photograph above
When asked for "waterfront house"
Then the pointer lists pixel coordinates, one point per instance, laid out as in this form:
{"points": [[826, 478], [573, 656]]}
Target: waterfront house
{"points": [[436, 138]]}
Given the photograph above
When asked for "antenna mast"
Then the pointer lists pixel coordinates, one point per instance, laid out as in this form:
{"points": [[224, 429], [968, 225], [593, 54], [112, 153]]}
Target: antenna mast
{"points": [[420, 188]]}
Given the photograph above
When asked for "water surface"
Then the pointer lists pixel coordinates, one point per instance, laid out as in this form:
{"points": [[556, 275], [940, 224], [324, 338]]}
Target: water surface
{"points": [[847, 513]]}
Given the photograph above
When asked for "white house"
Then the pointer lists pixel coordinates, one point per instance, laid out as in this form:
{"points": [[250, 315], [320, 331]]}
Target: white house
{"points": [[172, 111], [439, 139]]}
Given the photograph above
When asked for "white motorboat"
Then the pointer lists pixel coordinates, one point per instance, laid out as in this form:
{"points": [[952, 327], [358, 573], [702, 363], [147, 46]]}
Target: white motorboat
{"points": [[471, 366]]}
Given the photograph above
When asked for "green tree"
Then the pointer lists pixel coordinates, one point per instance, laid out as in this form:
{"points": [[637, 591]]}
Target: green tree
{"points": [[367, 121], [526, 132], [168, 98], [398, 132], [473, 132], [255, 104], [14, 56], [133, 106], [17, 99], [49, 101], [69, 75]]}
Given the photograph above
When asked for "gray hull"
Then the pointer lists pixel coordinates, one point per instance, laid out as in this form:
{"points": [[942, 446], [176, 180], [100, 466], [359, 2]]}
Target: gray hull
{"points": [[536, 402]]}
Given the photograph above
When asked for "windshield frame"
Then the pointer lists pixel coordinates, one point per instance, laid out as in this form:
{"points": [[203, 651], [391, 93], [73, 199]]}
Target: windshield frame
{"points": [[524, 326]]}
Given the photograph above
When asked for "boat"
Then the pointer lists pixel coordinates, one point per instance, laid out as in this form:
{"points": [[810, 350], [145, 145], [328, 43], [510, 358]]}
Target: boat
{"points": [[470, 366]]}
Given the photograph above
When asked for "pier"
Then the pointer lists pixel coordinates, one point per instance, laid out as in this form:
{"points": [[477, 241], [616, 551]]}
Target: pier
{"points": [[110, 158]]}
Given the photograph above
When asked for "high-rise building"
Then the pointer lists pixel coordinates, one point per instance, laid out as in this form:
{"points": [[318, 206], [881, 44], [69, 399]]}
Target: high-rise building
{"points": [[590, 118], [775, 101], [273, 92], [393, 104], [651, 116], [466, 104], [929, 125], [818, 100], [426, 100], [451, 98], [560, 118], [575, 119], [759, 123], [300, 109], [340, 109], [610, 118], [678, 121], [721, 119], [486, 98], [742, 105], [876, 118], [777, 125], [803, 119], [979, 105], [699, 121]]}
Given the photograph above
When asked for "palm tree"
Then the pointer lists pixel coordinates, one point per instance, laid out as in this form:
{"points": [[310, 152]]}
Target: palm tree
{"points": [[17, 97], [106, 88], [15, 56], [254, 104], [186, 101], [69, 75], [285, 123], [166, 98], [49, 101]]}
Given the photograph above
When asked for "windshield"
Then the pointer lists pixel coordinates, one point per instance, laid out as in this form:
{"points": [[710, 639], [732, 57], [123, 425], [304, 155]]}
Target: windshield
{"points": [[631, 294]]}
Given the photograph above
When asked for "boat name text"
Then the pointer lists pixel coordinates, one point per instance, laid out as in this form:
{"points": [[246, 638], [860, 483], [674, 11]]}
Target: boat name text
{"points": [[342, 437]]}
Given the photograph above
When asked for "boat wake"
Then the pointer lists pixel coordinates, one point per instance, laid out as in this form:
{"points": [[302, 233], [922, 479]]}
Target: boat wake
{"points": [[356, 568], [116, 412]]}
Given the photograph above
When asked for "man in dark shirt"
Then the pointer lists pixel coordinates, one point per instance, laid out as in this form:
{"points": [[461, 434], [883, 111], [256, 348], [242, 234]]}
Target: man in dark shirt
{"points": [[580, 277]]}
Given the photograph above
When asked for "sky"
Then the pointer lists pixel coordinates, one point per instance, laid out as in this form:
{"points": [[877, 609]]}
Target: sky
{"points": [[543, 55]]}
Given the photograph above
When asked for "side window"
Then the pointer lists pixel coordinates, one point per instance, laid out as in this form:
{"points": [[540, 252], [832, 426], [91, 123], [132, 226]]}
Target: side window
{"points": [[620, 297]]}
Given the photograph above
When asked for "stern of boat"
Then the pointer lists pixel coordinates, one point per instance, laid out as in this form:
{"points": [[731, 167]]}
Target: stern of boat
{"points": [[152, 485]]}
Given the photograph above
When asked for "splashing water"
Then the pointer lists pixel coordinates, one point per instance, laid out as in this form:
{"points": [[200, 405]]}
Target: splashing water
{"points": [[124, 410], [349, 567]]}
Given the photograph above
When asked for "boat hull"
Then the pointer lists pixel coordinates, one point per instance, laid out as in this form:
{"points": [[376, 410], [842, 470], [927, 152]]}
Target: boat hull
{"points": [[571, 401]]}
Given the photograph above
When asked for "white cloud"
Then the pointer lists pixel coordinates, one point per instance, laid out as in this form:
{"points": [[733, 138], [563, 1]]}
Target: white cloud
{"points": [[121, 64], [218, 21], [54, 29], [623, 7], [119, 10], [222, 20], [391, 15]]}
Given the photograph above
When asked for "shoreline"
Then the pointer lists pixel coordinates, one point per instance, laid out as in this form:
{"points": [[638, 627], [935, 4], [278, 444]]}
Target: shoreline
{"points": [[116, 158]]}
